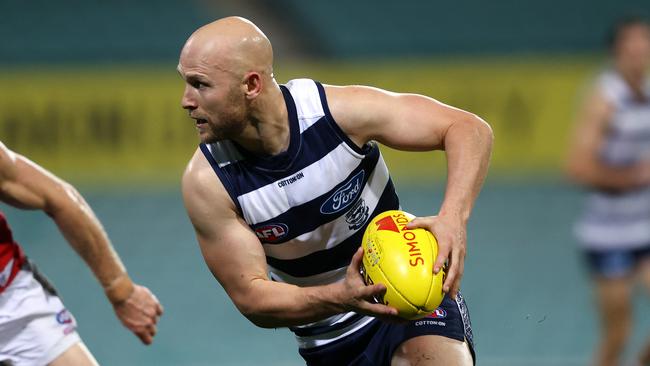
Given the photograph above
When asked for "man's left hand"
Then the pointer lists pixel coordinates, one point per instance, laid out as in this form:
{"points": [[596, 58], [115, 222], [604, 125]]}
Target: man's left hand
{"points": [[451, 235]]}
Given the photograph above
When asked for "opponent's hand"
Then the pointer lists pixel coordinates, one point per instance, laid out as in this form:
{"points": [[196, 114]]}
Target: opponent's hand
{"points": [[359, 297], [451, 235], [140, 313]]}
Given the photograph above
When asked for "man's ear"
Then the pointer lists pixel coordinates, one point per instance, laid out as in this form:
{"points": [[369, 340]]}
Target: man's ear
{"points": [[253, 84]]}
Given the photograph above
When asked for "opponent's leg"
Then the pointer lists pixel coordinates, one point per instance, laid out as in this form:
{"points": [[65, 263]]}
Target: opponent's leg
{"points": [[432, 350], [615, 310], [77, 355]]}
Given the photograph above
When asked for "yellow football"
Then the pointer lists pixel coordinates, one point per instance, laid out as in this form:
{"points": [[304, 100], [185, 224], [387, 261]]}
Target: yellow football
{"points": [[402, 260]]}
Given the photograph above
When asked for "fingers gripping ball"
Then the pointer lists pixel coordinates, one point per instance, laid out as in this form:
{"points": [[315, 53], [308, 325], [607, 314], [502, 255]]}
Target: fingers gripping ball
{"points": [[402, 260]]}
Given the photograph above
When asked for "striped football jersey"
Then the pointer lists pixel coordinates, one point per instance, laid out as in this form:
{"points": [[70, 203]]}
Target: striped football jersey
{"points": [[310, 204]]}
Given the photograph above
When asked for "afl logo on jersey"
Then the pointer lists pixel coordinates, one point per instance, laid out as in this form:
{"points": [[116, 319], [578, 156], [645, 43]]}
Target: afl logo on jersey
{"points": [[344, 196], [272, 232]]}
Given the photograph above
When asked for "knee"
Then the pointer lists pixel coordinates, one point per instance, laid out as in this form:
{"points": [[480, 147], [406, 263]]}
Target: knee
{"points": [[617, 332], [616, 340]]}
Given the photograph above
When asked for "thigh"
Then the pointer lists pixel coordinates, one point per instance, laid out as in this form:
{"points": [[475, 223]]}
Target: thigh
{"points": [[443, 335], [77, 355], [614, 273], [446, 330], [614, 300], [432, 350]]}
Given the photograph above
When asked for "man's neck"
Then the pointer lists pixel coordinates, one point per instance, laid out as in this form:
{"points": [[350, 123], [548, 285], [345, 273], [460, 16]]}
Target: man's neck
{"points": [[268, 132]]}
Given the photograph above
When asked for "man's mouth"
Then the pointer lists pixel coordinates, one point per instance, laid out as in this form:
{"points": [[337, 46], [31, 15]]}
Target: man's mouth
{"points": [[200, 121]]}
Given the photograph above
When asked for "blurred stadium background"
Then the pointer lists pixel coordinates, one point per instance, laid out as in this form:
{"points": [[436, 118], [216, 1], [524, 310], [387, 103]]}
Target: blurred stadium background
{"points": [[89, 90]]}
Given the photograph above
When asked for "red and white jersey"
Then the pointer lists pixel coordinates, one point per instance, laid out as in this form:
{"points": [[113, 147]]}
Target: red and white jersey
{"points": [[11, 256]]}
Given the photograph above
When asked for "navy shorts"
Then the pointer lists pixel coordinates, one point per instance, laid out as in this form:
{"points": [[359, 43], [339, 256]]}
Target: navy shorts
{"points": [[615, 263], [375, 344]]}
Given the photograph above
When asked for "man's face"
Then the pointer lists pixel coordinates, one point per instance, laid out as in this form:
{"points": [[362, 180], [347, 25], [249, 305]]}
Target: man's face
{"points": [[213, 99]]}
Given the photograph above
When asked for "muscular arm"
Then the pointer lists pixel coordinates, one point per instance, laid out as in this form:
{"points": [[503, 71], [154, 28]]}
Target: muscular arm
{"points": [[583, 164], [418, 123], [26, 185], [236, 258]]}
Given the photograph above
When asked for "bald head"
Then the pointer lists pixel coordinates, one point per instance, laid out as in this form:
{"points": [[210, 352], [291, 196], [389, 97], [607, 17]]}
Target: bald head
{"points": [[231, 44]]}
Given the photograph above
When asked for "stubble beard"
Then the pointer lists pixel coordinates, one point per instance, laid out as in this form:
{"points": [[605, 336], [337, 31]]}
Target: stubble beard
{"points": [[228, 130], [231, 122]]}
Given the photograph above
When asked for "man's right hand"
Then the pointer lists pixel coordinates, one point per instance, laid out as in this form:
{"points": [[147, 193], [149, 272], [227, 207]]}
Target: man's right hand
{"points": [[140, 313], [360, 298]]}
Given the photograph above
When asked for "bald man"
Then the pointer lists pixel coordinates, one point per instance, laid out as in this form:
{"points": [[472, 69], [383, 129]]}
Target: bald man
{"points": [[285, 181], [35, 327]]}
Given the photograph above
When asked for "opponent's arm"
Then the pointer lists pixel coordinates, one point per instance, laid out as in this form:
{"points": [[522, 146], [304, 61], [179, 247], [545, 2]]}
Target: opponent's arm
{"points": [[417, 123], [583, 164], [26, 185], [235, 256]]}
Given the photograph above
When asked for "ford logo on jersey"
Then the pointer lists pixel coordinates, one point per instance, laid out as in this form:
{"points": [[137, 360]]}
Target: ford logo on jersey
{"points": [[344, 196], [271, 232]]}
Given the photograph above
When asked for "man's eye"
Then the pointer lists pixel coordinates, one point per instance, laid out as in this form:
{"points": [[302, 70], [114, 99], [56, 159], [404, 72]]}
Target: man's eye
{"points": [[198, 85]]}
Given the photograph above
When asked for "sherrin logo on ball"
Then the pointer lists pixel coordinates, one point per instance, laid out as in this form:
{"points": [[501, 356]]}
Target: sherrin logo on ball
{"points": [[402, 260]]}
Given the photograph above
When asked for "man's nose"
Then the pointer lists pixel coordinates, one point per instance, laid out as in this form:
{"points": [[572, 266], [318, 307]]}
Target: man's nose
{"points": [[188, 101]]}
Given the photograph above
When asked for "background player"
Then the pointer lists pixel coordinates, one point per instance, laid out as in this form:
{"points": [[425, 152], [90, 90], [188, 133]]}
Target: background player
{"points": [[610, 155], [35, 327], [297, 178]]}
